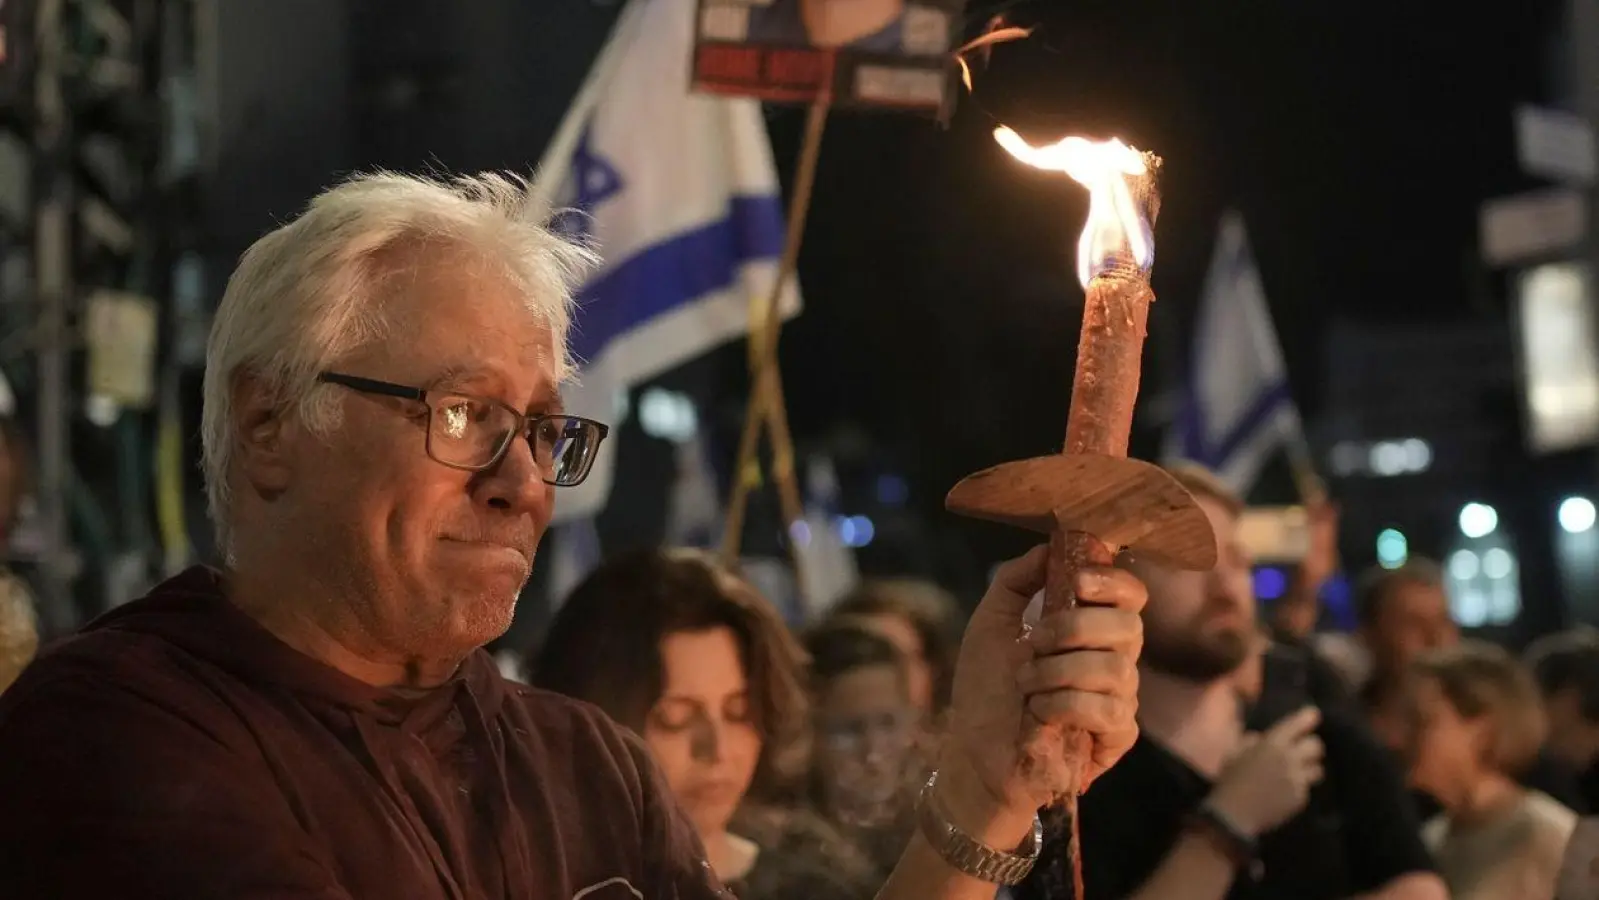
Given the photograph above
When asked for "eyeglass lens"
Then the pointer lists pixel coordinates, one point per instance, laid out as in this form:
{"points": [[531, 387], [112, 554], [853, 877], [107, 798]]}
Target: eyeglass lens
{"points": [[471, 433]]}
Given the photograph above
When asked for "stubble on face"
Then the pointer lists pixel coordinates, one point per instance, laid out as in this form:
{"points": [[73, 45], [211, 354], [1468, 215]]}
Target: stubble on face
{"points": [[1216, 638], [1197, 650], [395, 528]]}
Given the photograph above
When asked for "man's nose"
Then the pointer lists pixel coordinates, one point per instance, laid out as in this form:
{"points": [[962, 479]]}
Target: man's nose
{"points": [[516, 483]]}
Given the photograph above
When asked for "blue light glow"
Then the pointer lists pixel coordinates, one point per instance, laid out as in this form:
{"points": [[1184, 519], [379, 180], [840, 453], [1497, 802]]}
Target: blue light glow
{"points": [[856, 531], [1270, 584]]}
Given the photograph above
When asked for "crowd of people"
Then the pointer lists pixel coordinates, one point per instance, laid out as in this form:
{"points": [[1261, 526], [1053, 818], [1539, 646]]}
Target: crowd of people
{"points": [[315, 717]]}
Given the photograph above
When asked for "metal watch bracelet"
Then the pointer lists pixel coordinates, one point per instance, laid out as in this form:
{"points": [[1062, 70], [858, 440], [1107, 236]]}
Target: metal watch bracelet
{"points": [[969, 855]]}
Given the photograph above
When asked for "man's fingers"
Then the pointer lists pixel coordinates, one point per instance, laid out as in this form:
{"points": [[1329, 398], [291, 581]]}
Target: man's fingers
{"points": [[1301, 723], [1094, 713], [1111, 587], [1093, 671], [1310, 749], [1024, 575], [1089, 628]]}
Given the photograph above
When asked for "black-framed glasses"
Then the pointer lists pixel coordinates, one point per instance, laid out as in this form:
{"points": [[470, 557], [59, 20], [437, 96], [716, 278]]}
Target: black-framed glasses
{"points": [[472, 433]]}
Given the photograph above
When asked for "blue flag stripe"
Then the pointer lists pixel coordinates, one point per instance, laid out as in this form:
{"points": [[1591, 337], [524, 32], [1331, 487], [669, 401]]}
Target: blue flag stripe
{"points": [[676, 272], [1196, 445]]}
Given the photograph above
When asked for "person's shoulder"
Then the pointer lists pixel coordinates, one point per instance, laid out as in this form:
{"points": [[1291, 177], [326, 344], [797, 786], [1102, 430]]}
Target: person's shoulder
{"points": [[1549, 818], [1144, 764], [563, 727], [116, 665], [560, 714]]}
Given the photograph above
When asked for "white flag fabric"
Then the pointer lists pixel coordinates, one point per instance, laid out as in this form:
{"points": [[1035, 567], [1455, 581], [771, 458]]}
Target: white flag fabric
{"points": [[678, 193], [577, 552], [1235, 409], [694, 512], [828, 564]]}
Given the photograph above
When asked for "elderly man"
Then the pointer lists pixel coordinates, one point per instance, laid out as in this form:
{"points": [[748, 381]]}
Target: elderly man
{"points": [[316, 719]]}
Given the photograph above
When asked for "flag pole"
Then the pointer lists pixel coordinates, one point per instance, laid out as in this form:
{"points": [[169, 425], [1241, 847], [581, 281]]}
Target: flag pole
{"points": [[1302, 462], [766, 404]]}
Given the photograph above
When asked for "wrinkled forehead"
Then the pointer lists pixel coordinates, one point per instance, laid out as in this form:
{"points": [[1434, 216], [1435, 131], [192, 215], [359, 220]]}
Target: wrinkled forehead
{"points": [[449, 311]]}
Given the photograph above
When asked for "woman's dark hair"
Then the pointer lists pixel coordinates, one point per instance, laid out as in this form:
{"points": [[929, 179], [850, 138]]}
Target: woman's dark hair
{"points": [[930, 609], [604, 646], [839, 647]]}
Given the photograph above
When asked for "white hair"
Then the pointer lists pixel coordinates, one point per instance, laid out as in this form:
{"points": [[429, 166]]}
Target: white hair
{"points": [[311, 291]]}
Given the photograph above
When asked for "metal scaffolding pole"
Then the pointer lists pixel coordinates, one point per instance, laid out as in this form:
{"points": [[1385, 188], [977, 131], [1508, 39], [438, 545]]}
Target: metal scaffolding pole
{"points": [[1583, 70], [53, 285]]}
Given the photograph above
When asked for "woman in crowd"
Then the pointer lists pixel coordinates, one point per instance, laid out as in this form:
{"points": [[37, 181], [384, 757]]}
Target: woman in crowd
{"points": [[919, 618], [690, 657], [1475, 724], [869, 758]]}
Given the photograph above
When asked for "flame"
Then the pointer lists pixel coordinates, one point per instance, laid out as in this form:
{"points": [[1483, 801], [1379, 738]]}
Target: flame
{"points": [[998, 32], [1116, 228]]}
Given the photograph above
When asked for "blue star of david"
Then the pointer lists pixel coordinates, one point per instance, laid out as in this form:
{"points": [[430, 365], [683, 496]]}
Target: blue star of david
{"points": [[595, 181]]}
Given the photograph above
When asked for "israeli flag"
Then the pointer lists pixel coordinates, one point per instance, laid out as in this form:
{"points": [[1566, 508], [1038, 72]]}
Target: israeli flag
{"points": [[694, 511], [577, 552], [1235, 409], [678, 193], [828, 563]]}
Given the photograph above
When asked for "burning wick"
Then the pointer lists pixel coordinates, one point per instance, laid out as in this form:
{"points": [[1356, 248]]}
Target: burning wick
{"points": [[1117, 234]]}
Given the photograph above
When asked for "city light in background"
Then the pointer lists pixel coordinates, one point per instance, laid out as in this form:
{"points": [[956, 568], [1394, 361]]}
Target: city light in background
{"points": [[1576, 515], [1577, 555], [1481, 572], [1478, 520], [1393, 548], [1381, 459], [668, 415]]}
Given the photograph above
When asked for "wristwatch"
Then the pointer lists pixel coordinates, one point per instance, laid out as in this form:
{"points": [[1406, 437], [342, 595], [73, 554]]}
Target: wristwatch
{"points": [[971, 856]]}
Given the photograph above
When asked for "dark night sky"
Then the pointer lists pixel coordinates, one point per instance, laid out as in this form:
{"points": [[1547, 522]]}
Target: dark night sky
{"points": [[942, 315], [938, 271]]}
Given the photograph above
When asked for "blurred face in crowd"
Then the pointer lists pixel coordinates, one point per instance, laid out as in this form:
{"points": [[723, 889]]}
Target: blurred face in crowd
{"points": [[865, 728], [1445, 748], [900, 632], [866, 725], [1201, 625], [1412, 618], [432, 557], [702, 732], [1572, 737]]}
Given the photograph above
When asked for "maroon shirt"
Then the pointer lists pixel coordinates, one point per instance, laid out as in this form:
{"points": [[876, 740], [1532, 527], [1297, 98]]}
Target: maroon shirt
{"points": [[175, 749]]}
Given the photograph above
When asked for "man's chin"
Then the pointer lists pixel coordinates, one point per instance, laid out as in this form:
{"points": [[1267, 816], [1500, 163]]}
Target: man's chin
{"points": [[483, 625], [1198, 662]]}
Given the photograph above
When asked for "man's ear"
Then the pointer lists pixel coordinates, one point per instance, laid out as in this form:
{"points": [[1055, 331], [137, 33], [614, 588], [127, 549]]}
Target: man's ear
{"points": [[261, 430]]}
